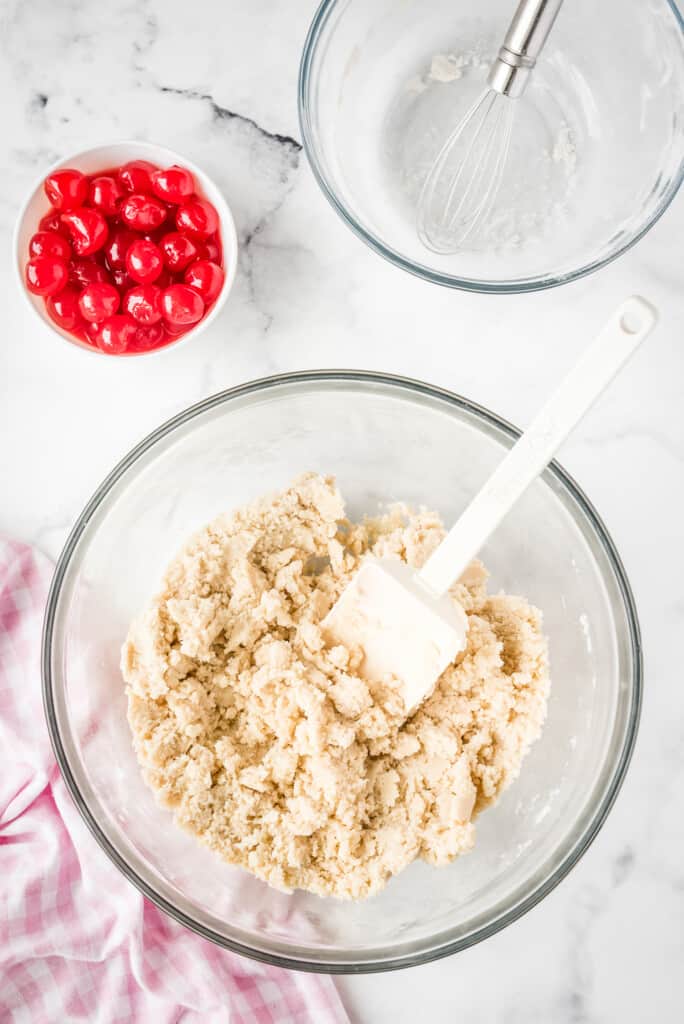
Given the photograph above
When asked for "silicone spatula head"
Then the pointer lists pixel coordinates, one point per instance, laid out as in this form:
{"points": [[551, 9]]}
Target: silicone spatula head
{"points": [[406, 633]]}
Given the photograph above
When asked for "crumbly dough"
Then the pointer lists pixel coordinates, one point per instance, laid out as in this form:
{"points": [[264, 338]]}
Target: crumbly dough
{"points": [[273, 749]]}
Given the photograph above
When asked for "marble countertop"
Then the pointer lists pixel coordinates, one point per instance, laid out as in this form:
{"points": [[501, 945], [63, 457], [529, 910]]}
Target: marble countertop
{"points": [[308, 294]]}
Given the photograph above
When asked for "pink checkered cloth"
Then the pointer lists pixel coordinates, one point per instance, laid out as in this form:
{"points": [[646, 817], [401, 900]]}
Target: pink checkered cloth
{"points": [[77, 941]]}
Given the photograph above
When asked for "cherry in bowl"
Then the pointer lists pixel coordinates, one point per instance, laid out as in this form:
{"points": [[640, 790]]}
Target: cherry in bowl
{"points": [[111, 260]]}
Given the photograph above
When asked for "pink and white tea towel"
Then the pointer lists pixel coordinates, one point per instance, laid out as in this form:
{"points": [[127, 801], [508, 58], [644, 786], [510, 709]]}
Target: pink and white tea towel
{"points": [[77, 941]]}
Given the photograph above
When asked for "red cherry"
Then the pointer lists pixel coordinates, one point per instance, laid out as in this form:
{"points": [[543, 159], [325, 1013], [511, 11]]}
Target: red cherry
{"points": [[143, 304], [84, 272], [105, 194], [206, 278], [100, 257], [122, 280], [136, 175], [154, 236], [178, 250], [90, 332], [175, 330], [98, 301], [66, 189], [49, 243], [63, 308], [53, 222], [117, 246], [116, 334], [165, 279], [144, 261], [174, 184], [181, 305], [88, 230], [144, 213], [148, 338], [80, 331], [210, 250], [46, 275], [197, 218]]}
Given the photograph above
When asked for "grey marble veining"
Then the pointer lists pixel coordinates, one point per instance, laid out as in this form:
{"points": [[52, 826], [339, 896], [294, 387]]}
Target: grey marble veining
{"points": [[217, 81]]}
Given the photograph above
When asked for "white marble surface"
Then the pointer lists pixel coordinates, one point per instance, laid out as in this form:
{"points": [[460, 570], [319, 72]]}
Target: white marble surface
{"points": [[217, 81]]}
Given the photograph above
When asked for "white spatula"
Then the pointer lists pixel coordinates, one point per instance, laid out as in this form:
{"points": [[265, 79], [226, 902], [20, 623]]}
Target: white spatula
{"points": [[404, 621]]}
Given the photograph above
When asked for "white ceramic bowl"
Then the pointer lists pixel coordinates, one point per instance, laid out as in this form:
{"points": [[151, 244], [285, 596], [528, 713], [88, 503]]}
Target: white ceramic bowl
{"points": [[101, 158]]}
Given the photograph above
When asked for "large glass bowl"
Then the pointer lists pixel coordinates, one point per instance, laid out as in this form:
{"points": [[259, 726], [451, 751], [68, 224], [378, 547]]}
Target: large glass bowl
{"points": [[385, 438], [597, 149]]}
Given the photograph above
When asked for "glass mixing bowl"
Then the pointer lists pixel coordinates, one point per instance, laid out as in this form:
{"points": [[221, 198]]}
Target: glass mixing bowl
{"points": [[597, 151], [385, 438]]}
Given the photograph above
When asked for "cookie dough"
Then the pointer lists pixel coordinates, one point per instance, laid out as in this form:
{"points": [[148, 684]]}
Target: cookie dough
{"points": [[269, 744]]}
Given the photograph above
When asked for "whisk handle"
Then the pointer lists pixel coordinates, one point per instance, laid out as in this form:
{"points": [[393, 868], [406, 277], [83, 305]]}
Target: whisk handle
{"points": [[525, 38]]}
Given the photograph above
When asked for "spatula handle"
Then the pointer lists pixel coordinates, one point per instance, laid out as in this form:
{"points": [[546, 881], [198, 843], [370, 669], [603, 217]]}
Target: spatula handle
{"points": [[631, 322]]}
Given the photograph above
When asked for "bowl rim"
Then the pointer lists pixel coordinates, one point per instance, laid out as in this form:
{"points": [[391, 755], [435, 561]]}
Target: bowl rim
{"points": [[420, 270], [397, 384], [151, 151]]}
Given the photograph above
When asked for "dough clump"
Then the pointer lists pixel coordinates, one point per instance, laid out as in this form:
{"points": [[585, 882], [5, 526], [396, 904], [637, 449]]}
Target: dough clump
{"points": [[271, 747]]}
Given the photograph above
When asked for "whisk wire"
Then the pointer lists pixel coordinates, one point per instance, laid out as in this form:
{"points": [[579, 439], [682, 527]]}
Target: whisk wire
{"points": [[481, 112], [478, 150], [427, 224], [495, 158], [498, 173], [478, 191]]}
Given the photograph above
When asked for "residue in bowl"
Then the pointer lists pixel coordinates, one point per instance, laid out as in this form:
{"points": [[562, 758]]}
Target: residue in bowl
{"points": [[542, 165]]}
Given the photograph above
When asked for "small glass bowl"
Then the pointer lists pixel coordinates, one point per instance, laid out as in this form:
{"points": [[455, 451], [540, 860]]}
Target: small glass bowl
{"points": [[597, 151], [372, 431]]}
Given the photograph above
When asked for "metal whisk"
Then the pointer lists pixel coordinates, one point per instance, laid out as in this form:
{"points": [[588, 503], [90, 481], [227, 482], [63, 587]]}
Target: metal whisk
{"points": [[464, 180]]}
